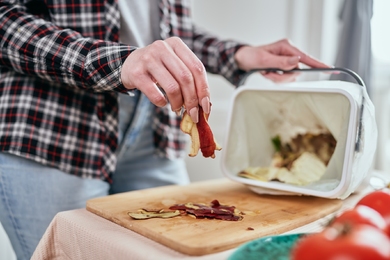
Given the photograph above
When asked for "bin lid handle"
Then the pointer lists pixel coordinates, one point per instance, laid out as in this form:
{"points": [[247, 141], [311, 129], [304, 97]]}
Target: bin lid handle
{"points": [[358, 79]]}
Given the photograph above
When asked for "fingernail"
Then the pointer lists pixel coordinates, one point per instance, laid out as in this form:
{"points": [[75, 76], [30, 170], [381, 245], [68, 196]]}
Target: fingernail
{"points": [[178, 112], [194, 114], [206, 105], [293, 60]]}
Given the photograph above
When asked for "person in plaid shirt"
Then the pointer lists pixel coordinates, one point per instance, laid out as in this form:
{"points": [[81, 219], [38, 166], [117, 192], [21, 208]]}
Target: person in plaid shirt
{"points": [[90, 95]]}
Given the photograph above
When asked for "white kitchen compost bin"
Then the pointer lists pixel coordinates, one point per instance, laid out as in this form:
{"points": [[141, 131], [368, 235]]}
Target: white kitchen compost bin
{"points": [[259, 113]]}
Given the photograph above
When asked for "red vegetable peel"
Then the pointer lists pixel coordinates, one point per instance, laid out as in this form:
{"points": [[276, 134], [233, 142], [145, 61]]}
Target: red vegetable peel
{"points": [[202, 137]]}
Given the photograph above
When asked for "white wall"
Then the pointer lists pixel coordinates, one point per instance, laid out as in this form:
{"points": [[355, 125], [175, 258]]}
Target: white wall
{"points": [[250, 21], [311, 25]]}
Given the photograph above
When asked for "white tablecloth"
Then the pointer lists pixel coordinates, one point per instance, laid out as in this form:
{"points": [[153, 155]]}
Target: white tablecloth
{"points": [[6, 250], [79, 234]]}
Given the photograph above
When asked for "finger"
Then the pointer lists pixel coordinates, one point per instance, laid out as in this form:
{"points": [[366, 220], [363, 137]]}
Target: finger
{"points": [[170, 86], [180, 86], [288, 48], [144, 68], [281, 77], [150, 89], [314, 63], [283, 62], [199, 77]]}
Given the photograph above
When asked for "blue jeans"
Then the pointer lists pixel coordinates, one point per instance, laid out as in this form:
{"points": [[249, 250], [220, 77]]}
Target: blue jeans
{"points": [[32, 194], [137, 166]]}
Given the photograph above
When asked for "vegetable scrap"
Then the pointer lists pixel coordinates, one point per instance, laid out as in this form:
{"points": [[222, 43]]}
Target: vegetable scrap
{"points": [[202, 137], [196, 210], [146, 214], [301, 161], [215, 210]]}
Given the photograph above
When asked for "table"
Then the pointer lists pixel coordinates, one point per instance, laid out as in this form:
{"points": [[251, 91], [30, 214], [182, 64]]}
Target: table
{"points": [[79, 234]]}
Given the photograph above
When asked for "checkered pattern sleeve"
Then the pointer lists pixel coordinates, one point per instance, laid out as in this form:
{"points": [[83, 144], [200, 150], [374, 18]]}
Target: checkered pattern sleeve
{"points": [[217, 55], [34, 46]]}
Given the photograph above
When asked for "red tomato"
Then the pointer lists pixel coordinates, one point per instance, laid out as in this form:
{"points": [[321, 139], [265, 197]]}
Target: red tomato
{"points": [[361, 242], [361, 215], [380, 201]]}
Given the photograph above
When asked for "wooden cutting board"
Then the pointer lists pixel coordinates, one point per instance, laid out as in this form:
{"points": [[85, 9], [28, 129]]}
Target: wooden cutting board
{"points": [[268, 214]]}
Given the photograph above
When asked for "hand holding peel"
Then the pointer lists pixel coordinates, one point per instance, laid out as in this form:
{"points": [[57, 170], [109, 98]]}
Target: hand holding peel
{"points": [[167, 71]]}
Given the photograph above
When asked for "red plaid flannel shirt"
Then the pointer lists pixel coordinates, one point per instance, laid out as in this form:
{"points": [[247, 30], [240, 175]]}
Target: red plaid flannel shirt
{"points": [[60, 64]]}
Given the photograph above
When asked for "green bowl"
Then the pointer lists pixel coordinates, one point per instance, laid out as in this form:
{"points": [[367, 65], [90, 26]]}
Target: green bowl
{"points": [[271, 247]]}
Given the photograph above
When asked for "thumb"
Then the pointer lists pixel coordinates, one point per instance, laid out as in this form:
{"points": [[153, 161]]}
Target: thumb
{"points": [[284, 62]]}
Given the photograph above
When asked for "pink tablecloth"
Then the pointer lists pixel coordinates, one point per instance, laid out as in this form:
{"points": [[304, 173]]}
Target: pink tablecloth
{"points": [[79, 234]]}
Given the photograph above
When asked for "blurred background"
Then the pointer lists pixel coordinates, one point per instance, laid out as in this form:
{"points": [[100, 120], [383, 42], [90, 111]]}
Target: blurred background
{"points": [[350, 33]]}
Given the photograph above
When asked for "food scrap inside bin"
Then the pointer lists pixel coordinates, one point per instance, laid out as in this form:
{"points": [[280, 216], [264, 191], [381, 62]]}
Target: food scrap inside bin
{"points": [[301, 161]]}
